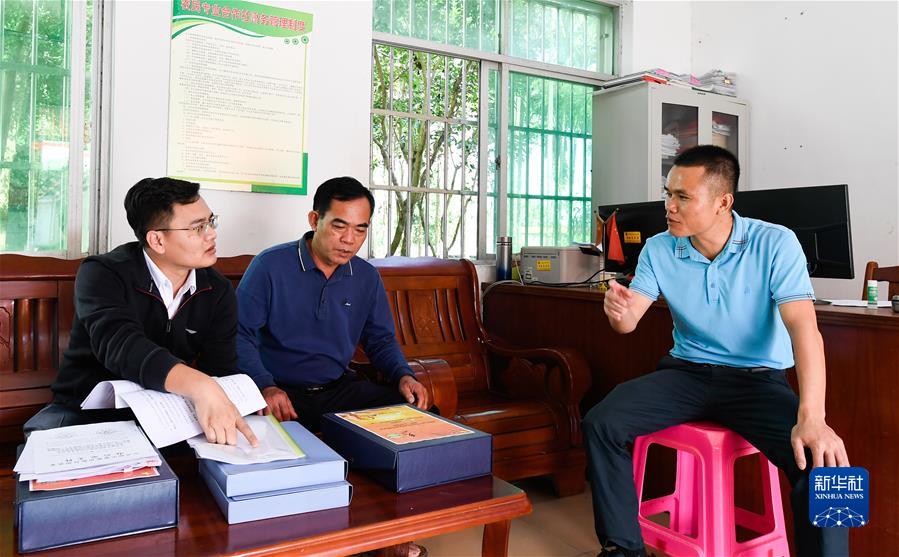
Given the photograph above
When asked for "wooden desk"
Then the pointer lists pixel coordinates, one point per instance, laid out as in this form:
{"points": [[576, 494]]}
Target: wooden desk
{"points": [[861, 347], [375, 518]]}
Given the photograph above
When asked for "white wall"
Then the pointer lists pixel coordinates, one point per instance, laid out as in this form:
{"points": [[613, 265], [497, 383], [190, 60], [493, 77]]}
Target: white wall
{"points": [[821, 80], [338, 118], [656, 35]]}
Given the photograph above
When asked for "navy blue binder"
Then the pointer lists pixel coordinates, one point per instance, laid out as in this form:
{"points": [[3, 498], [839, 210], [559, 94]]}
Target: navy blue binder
{"points": [[47, 519], [410, 466]]}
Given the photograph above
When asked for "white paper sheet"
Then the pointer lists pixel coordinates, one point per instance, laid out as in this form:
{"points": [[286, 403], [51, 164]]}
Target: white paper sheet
{"points": [[858, 303], [168, 418], [273, 445], [90, 472], [84, 448], [108, 394]]}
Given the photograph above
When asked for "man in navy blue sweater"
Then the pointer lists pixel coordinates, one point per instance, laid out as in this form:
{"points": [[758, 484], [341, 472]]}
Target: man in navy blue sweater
{"points": [[305, 305]]}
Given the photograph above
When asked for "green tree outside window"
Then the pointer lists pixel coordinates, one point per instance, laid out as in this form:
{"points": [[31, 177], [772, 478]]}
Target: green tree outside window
{"points": [[35, 76]]}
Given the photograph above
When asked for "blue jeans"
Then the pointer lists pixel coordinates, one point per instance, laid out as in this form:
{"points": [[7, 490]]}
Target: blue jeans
{"points": [[757, 404]]}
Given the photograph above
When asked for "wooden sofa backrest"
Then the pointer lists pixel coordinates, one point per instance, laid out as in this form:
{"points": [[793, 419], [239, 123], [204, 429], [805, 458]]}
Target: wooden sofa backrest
{"points": [[436, 312], [36, 311]]}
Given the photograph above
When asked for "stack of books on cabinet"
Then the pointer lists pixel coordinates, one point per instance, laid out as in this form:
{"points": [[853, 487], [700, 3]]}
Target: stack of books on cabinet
{"points": [[714, 81], [312, 482]]}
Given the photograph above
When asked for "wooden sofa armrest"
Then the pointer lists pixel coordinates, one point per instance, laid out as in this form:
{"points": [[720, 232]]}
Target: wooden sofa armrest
{"points": [[436, 376], [560, 374]]}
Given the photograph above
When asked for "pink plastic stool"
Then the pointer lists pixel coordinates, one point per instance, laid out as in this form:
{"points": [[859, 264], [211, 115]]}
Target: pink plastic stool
{"points": [[702, 512]]}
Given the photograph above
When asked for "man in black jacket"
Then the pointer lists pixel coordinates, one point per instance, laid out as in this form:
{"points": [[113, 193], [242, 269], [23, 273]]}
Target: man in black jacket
{"points": [[150, 310]]}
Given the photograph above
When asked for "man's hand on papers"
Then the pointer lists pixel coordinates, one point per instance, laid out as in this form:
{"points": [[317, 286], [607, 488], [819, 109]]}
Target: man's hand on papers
{"points": [[278, 404], [217, 415], [414, 392], [825, 445]]}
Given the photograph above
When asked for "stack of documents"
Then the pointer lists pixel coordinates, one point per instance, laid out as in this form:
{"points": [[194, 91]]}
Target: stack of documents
{"points": [[274, 443], [85, 455], [670, 145], [718, 81], [312, 479], [107, 475], [169, 418], [654, 75]]}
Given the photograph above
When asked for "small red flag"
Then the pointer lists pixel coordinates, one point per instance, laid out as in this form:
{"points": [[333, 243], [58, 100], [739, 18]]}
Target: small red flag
{"points": [[614, 251]]}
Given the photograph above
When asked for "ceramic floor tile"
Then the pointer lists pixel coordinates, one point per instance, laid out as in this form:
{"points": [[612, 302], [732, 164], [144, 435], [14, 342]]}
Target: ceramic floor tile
{"points": [[555, 528], [569, 519], [524, 541]]}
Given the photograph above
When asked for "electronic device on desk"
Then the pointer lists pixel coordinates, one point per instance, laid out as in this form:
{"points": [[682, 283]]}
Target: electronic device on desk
{"points": [[818, 215], [560, 265]]}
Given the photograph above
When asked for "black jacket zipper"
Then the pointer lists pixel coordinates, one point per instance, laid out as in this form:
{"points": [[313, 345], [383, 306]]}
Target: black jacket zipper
{"points": [[168, 323]]}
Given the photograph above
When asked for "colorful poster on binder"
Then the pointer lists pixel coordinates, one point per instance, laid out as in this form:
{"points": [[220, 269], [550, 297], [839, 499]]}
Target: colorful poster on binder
{"points": [[237, 96], [403, 424]]}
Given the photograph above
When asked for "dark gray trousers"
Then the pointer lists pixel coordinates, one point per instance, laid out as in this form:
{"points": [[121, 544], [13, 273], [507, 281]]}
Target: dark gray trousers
{"points": [[350, 392], [759, 405]]}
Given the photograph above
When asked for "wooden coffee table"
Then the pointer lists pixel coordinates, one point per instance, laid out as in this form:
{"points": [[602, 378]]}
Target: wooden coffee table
{"points": [[376, 518]]}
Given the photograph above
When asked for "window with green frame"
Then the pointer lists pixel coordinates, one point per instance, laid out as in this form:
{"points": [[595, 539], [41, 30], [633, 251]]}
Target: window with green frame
{"points": [[547, 157], [550, 141], [39, 66], [466, 23], [572, 33]]}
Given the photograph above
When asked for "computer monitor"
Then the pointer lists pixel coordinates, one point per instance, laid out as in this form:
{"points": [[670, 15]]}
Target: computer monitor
{"points": [[818, 215]]}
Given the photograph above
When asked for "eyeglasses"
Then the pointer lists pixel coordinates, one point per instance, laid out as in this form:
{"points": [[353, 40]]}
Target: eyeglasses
{"points": [[201, 229]]}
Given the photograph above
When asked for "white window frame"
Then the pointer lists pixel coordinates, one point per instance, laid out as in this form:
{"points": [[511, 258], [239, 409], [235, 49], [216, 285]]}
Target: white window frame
{"points": [[504, 64]]}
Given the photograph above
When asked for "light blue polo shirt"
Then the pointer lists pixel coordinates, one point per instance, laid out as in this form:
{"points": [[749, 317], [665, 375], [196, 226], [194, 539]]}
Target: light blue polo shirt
{"points": [[725, 311]]}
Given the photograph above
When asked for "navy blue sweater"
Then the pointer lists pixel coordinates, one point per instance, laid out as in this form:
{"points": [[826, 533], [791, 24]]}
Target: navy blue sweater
{"points": [[298, 328]]}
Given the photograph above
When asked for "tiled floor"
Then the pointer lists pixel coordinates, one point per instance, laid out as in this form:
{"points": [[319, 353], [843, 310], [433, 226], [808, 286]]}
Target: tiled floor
{"points": [[555, 528]]}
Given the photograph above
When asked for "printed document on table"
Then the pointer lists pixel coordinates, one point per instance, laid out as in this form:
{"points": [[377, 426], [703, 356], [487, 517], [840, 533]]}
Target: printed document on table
{"points": [[145, 472], [274, 444], [92, 446], [168, 418]]}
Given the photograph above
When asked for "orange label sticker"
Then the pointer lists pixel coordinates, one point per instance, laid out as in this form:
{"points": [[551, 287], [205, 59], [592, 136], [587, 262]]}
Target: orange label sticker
{"points": [[632, 237], [544, 265]]}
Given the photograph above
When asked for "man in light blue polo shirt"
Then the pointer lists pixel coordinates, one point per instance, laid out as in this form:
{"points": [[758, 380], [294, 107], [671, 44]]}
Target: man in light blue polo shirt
{"points": [[741, 301]]}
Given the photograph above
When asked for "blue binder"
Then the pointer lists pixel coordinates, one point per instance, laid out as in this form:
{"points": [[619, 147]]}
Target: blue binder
{"points": [[270, 504], [321, 465], [47, 519], [410, 466]]}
